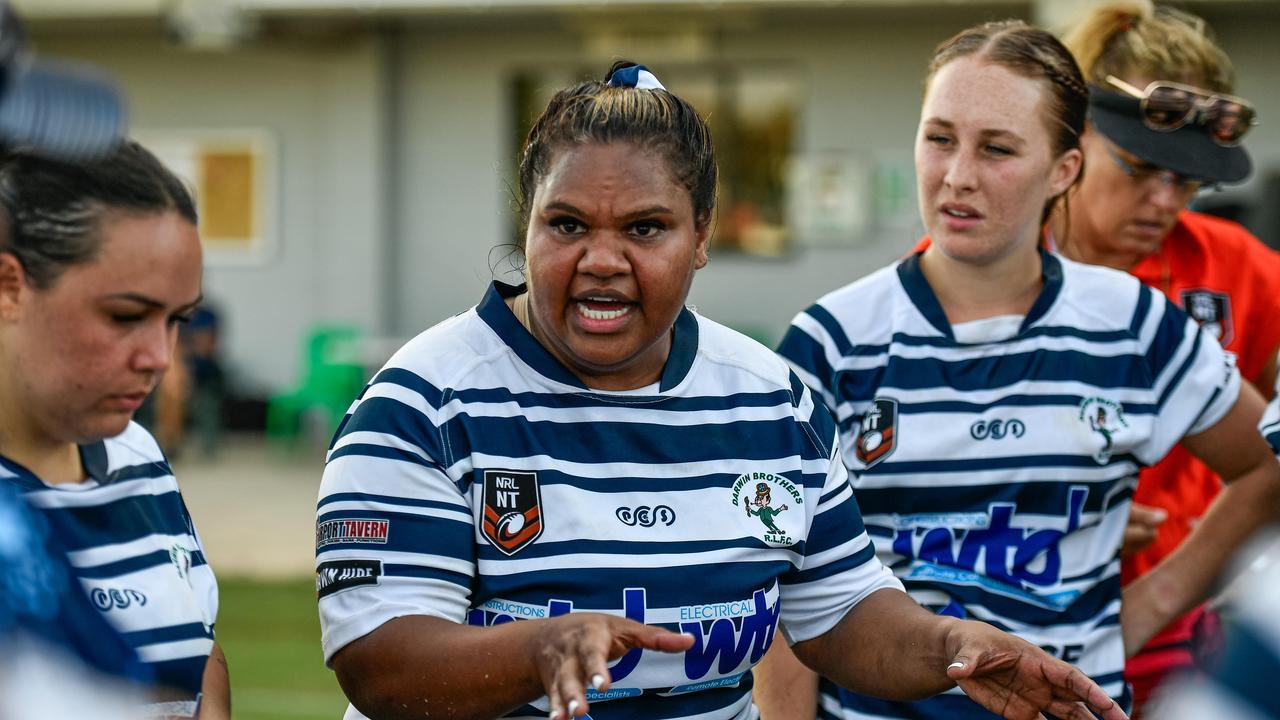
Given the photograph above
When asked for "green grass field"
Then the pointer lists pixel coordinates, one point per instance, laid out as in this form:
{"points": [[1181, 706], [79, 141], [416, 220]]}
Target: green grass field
{"points": [[271, 636]]}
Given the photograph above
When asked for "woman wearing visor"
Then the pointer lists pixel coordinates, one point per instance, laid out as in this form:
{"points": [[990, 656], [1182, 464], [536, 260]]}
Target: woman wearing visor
{"points": [[1164, 126]]}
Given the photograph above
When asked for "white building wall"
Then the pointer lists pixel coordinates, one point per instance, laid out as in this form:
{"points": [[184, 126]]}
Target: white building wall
{"points": [[321, 102]]}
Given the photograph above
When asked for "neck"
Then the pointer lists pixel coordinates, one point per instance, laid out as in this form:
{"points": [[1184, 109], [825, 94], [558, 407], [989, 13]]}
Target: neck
{"points": [[967, 291], [52, 461], [1082, 245]]}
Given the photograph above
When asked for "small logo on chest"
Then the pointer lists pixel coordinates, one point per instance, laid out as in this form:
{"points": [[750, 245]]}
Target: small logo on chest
{"points": [[1212, 310], [1105, 418], [997, 429], [512, 509], [878, 433]]}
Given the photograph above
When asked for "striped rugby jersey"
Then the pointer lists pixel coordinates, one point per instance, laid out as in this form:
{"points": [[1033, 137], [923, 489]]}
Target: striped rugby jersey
{"points": [[131, 543], [477, 480], [1270, 424], [995, 471]]}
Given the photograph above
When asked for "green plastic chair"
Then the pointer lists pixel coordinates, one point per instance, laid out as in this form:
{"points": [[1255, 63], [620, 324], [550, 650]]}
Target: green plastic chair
{"points": [[332, 377]]}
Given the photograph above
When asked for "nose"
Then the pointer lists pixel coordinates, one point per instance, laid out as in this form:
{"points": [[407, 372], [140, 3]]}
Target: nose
{"points": [[1167, 191], [604, 256], [960, 174], [155, 348]]}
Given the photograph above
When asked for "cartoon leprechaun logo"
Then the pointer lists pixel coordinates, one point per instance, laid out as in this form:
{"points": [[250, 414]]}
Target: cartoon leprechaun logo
{"points": [[778, 529]]}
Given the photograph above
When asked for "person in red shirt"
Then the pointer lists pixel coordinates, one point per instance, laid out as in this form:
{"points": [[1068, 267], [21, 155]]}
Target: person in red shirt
{"points": [[1163, 126]]}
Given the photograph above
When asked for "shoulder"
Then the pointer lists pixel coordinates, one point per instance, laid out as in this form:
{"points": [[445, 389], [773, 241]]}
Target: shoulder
{"points": [[1217, 234], [863, 309], [732, 353], [135, 446], [737, 365], [1096, 298], [850, 301], [447, 350]]}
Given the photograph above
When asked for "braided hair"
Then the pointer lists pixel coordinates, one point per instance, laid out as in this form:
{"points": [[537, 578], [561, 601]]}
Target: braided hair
{"points": [[1033, 53]]}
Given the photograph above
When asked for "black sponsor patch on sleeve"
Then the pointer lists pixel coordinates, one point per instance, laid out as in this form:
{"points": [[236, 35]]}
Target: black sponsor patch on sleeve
{"points": [[338, 575]]}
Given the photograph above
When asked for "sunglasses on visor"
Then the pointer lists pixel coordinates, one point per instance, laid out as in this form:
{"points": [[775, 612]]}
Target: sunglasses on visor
{"points": [[1167, 106]]}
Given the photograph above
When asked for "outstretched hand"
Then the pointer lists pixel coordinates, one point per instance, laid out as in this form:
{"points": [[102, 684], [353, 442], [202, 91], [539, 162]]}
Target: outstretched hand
{"points": [[572, 652], [1017, 680]]}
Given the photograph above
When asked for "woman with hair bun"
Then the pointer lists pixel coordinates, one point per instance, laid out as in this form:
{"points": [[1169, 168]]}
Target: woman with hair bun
{"points": [[1165, 127], [580, 494]]}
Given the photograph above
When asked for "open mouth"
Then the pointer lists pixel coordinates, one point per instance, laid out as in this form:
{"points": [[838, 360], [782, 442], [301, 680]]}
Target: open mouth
{"points": [[961, 212], [603, 308]]}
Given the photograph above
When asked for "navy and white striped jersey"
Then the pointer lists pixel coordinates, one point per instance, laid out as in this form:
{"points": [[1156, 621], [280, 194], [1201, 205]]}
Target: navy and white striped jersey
{"points": [[1270, 424], [477, 480], [134, 549], [994, 462], [61, 659]]}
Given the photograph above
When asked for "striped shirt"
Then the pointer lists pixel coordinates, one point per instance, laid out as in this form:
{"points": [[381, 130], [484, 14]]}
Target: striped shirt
{"points": [[995, 462], [1270, 424], [477, 480], [131, 543]]}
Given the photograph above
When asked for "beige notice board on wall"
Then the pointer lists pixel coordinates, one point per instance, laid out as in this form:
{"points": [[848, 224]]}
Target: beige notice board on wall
{"points": [[233, 176]]}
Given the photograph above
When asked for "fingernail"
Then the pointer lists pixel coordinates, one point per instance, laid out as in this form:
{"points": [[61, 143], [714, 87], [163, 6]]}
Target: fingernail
{"points": [[597, 681], [573, 708], [956, 664]]}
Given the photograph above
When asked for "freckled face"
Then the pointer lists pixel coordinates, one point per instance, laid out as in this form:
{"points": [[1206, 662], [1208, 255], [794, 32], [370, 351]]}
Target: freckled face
{"points": [[84, 353], [984, 160], [612, 247]]}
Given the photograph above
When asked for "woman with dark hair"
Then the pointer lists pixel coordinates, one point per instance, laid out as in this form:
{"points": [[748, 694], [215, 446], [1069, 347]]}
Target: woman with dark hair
{"points": [[995, 401], [580, 470], [99, 265], [1163, 127]]}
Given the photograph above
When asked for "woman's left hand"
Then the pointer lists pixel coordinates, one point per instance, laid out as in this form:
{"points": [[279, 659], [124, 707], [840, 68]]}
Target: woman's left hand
{"points": [[1015, 679]]}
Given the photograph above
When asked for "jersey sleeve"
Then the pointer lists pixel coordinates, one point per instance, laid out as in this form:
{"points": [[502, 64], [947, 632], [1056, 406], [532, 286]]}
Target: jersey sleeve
{"points": [[839, 566], [394, 535], [1270, 424], [1194, 381], [203, 581]]}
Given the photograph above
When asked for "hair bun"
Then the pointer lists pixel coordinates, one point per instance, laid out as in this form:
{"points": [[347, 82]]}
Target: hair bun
{"points": [[628, 74]]}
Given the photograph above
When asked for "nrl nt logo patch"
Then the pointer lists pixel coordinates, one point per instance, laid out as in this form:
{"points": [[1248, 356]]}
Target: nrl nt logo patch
{"points": [[512, 509], [878, 434]]}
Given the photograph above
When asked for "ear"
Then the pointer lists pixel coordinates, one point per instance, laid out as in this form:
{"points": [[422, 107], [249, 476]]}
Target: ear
{"points": [[1065, 171], [13, 285], [702, 237]]}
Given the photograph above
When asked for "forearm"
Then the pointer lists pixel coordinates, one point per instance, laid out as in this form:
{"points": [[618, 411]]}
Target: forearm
{"points": [[215, 688], [784, 688], [886, 646], [1188, 576], [418, 666]]}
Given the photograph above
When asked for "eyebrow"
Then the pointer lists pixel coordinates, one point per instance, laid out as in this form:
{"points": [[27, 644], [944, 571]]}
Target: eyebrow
{"points": [[986, 133], [152, 302], [645, 212]]}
